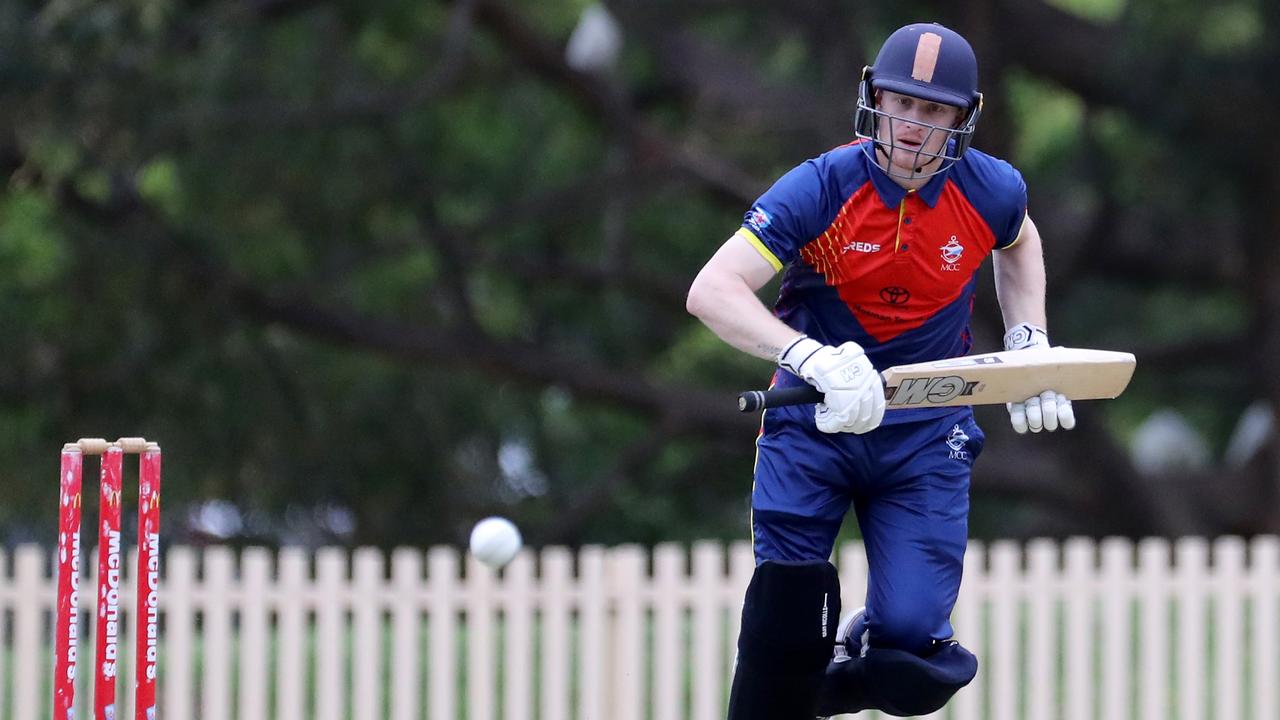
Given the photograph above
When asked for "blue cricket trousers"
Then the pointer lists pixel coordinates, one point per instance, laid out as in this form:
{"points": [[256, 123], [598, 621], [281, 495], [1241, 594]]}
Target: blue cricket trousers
{"points": [[908, 483]]}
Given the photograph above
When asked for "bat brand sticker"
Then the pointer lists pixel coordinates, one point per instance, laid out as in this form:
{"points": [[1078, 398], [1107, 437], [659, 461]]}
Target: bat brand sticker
{"points": [[968, 361], [929, 390]]}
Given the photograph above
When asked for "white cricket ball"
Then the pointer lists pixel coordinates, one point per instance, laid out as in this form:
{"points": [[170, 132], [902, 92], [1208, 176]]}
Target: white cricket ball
{"points": [[494, 541]]}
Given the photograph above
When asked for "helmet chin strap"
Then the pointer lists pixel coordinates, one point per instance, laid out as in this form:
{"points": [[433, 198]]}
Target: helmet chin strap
{"points": [[883, 155], [887, 154]]}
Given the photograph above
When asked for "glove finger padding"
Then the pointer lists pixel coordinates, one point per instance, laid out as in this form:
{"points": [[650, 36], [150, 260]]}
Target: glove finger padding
{"points": [[1018, 417], [873, 409], [1035, 421], [860, 410], [829, 421], [1049, 410], [1066, 414], [860, 419]]}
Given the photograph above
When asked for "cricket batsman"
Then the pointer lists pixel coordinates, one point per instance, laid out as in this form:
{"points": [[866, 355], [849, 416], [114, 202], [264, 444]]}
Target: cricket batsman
{"points": [[880, 241]]}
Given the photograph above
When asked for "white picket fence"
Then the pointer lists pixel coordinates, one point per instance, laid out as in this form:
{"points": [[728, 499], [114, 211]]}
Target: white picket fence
{"points": [[1073, 631]]}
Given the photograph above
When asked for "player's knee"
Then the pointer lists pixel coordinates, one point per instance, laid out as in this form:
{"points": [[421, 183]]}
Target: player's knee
{"points": [[905, 628], [905, 684]]}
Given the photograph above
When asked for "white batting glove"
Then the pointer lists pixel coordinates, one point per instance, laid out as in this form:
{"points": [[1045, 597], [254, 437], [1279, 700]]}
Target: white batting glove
{"points": [[1050, 409], [854, 395]]}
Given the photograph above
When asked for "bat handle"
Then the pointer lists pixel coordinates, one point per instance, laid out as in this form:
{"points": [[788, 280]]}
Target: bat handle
{"points": [[754, 400]]}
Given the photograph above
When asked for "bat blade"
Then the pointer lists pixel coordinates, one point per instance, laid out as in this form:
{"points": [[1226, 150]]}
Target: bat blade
{"points": [[1009, 376]]}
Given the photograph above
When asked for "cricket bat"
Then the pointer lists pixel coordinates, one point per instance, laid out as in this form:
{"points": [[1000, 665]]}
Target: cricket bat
{"points": [[989, 379]]}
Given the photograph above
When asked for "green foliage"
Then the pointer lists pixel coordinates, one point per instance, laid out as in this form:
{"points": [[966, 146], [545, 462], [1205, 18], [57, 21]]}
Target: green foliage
{"points": [[1231, 29], [33, 248], [1049, 121], [1100, 10], [699, 354], [159, 184]]}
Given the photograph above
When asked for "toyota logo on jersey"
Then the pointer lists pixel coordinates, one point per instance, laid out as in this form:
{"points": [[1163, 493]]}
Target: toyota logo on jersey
{"points": [[895, 295]]}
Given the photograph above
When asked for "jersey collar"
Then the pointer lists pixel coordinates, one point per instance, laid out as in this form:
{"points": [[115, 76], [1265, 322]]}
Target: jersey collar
{"points": [[892, 193]]}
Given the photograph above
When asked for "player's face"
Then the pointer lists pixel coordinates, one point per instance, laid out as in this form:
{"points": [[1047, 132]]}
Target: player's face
{"points": [[917, 130]]}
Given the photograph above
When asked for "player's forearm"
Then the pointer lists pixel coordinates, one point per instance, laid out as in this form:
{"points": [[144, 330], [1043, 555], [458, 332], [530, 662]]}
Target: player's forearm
{"points": [[1020, 279], [729, 307], [1021, 295]]}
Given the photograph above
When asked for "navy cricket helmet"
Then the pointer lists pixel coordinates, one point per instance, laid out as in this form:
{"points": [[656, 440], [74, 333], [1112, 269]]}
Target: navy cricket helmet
{"points": [[930, 62]]}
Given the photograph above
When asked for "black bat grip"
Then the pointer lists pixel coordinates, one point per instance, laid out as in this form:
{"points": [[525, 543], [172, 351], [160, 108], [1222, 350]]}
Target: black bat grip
{"points": [[753, 400]]}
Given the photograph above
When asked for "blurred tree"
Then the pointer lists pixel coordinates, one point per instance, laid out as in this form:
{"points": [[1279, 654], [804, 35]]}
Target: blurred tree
{"points": [[402, 258]]}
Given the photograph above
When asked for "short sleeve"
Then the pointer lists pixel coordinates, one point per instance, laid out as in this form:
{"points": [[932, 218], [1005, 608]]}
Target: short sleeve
{"points": [[789, 214], [997, 191], [1015, 194]]}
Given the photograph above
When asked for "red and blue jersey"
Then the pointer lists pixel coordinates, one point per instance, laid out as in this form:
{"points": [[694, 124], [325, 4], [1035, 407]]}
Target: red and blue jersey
{"points": [[892, 269]]}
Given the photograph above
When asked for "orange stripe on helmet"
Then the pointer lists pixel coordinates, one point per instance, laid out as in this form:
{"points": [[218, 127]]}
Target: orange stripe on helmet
{"points": [[927, 49]]}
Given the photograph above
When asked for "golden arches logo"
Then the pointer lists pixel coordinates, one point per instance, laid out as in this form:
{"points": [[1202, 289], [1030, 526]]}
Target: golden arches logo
{"points": [[111, 497], [152, 503]]}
